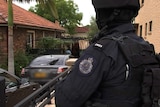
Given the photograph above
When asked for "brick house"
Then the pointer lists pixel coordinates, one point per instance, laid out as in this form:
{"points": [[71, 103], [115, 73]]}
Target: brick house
{"points": [[79, 40], [149, 22], [81, 33], [28, 28]]}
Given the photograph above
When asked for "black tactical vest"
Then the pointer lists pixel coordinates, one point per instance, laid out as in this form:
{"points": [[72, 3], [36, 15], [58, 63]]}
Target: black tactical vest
{"points": [[142, 76]]}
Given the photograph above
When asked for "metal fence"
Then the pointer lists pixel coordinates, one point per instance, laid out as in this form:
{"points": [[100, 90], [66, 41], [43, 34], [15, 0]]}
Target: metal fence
{"points": [[43, 95]]}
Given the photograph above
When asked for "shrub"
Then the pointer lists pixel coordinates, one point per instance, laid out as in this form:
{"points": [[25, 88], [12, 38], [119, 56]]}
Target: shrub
{"points": [[21, 60], [49, 43]]}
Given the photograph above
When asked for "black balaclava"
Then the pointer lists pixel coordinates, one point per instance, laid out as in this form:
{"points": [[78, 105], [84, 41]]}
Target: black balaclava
{"points": [[107, 19], [114, 17]]}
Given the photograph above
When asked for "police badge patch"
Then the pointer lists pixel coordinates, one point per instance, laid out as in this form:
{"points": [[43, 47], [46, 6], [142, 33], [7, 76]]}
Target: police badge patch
{"points": [[86, 65]]}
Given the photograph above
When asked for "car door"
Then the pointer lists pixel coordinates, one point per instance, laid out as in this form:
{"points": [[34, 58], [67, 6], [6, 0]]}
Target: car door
{"points": [[15, 90], [18, 93]]}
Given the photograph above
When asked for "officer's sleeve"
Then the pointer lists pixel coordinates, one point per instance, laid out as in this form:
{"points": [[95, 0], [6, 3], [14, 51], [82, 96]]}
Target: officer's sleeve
{"points": [[82, 81]]}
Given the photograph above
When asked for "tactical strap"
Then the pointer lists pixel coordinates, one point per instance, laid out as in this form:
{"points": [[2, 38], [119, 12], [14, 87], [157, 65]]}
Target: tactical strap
{"points": [[151, 88], [142, 55], [136, 53]]}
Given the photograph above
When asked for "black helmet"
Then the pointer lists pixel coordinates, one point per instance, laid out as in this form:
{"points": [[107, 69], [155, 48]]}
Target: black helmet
{"points": [[116, 4]]}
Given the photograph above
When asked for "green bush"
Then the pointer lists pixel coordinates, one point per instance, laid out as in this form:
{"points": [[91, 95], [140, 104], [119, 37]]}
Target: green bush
{"points": [[4, 65], [21, 61], [49, 43]]}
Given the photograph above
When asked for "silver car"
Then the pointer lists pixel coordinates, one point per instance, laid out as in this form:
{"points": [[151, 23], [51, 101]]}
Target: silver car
{"points": [[44, 68]]}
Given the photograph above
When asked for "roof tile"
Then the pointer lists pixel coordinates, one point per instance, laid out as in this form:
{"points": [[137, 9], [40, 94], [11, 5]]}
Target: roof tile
{"points": [[84, 29], [24, 17]]}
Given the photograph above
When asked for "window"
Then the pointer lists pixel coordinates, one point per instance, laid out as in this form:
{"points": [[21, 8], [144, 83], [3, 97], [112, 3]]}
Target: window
{"points": [[140, 30], [146, 29], [31, 39], [141, 3], [150, 26]]}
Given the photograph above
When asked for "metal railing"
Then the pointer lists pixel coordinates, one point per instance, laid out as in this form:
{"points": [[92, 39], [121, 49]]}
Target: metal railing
{"points": [[43, 95]]}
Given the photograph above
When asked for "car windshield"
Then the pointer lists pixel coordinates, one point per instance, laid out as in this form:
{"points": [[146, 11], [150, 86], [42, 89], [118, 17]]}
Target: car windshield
{"points": [[48, 60]]}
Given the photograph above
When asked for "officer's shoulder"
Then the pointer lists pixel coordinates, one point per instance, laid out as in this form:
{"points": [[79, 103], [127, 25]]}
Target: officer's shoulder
{"points": [[104, 43], [108, 46]]}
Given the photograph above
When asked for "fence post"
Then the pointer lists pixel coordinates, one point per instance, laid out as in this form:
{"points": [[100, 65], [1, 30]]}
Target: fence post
{"points": [[2, 92]]}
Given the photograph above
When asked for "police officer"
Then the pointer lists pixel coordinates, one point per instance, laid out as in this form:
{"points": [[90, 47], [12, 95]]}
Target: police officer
{"points": [[100, 76]]}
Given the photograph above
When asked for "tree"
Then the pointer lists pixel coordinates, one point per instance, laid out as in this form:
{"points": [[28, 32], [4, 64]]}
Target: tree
{"points": [[69, 17], [10, 38], [52, 8], [93, 29]]}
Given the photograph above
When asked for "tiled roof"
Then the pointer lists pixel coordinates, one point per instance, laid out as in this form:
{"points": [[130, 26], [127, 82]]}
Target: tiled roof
{"points": [[84, 29], [26, 18]]}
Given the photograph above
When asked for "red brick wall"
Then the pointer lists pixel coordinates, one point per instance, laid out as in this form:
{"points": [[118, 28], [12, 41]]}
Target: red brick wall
{"points": [[3, 45], [20, 37]]}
